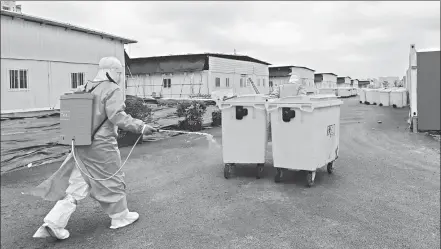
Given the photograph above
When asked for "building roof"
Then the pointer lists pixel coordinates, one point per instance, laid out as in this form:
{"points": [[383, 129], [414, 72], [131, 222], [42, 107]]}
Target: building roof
{"points": [[342, 77], [283, 71], [64, 25], [328, 73], [289, 66], [181, 63], [363, 82]]}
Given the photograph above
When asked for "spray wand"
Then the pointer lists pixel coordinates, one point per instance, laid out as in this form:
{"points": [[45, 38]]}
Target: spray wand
{"points": [[208, 136]]}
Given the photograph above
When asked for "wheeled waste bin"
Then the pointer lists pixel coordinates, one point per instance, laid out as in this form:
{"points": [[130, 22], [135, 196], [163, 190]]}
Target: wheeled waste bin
{"points": [[369, 96], [375, 97], [244, 132], [398, 97], [384, 97], [305, 133], [362, 95], [344, 92], [328, 91]]}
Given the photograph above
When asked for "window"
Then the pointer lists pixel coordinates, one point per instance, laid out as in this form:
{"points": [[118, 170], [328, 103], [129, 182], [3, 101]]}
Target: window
{"points": [[76, 80], [241, 82], [227, 82], [258, 82], [5, 8], [18, 79], [217, 82], [166, 83], [270, 83], [263, 82]]}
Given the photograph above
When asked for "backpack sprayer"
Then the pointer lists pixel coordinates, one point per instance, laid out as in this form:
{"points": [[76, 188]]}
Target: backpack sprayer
{"points": [[76, 115]]}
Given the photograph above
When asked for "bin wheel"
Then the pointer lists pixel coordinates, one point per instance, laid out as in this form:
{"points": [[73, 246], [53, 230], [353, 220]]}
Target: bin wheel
{"points": [[259, 171], [330, 167], [380, 104], [310, 178], [228, 170], [279, 175], [361, 101]]}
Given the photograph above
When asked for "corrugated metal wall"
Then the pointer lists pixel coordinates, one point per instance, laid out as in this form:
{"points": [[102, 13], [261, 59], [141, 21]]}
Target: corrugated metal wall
{"points": [[428, 91], [182, 84]]}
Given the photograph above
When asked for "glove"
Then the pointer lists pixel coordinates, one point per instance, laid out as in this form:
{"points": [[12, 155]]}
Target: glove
{"points": [[81, 88], [148, 130]]}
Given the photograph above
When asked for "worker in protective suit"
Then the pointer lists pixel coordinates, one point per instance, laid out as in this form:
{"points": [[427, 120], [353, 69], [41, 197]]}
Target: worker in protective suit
{"points": [[292, 88], [100, 160]]}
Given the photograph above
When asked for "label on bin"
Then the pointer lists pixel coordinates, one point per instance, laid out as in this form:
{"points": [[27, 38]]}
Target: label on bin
{"points": [[65, 115], [331, 130]]}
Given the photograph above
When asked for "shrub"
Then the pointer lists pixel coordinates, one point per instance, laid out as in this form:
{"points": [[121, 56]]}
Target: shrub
{"points": [[192, 113], [216, 117], [136, 108], [200, 96]]}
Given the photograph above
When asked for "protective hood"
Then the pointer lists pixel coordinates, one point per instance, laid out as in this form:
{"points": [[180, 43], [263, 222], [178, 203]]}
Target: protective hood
{"points": [[109, 68]]}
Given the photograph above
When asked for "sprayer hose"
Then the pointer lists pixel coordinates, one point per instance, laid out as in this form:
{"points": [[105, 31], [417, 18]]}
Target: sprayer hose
{"points": [[105, 179]]}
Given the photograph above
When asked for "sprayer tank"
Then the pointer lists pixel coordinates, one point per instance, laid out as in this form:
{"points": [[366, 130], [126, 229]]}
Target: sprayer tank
{"points": [[76, 118]]}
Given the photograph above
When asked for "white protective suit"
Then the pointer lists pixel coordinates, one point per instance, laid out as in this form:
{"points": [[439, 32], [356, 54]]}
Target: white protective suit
{"points": [[100, 160], [292, 88]]}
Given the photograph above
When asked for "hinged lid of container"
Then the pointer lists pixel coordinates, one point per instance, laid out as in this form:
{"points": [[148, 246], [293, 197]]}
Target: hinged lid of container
{"points": [[82, 95], [251, 98], [316, 100], [385, 90]]}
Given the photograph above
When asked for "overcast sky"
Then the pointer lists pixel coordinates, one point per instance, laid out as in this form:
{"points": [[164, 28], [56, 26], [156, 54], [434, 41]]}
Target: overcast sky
{"points": [[357, 39]]}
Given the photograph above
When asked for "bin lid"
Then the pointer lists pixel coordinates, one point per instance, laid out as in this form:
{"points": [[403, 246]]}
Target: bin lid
{"points": [[311, 99], [77, 95], [385, 90], [249, 98]]}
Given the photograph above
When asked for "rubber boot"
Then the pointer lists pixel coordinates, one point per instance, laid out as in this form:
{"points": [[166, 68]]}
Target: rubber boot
{"points": [[56, 220], [123, 219]]}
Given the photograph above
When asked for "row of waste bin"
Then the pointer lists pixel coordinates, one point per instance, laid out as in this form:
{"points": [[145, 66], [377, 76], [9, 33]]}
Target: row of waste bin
{"points": [[396, 97], [344, 92], [304, 130]]}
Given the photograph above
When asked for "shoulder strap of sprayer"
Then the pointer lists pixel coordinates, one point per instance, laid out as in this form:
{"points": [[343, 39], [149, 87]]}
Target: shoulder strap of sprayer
{"points": [[97, 129]]}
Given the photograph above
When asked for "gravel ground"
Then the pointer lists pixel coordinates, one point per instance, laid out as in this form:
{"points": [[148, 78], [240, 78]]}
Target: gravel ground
{"points": [[384, 194]]}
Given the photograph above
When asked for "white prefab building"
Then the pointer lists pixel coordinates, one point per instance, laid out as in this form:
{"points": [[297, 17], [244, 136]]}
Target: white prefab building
{"points": [[354, 83], [363, 83], [42, 59], [189, 75], [10, 6], [344, 81], [325, 80], [281, 74]]}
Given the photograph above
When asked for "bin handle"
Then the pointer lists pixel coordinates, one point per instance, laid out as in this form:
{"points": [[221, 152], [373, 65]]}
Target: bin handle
{"points": [[309, 109], [224, 106], [259, 106]]}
